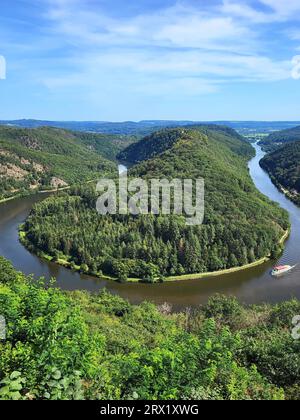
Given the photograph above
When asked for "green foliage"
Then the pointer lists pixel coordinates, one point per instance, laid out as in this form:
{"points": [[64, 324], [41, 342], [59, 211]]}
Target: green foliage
{"points": [[158, 142], [225, 311], [279, 138], [283, 167], [240, 224], [80, 346], [12, 386], [108, 146], [152, 145], [35, 156], [56, 387], [282, 314]]}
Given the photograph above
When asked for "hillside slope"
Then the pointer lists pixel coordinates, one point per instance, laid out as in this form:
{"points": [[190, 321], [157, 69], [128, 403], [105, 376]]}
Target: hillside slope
{"points": [[240, 225], [106, 145], [280, 138], [71, 346], [32, 159], [160, 141], [144, 128], [283, 165]]}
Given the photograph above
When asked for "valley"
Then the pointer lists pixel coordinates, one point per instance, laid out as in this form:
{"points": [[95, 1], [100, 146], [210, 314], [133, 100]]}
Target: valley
{"points": [[251, 285], [280, 138], [153, 248], [149, 203], [49, 158], [118, 338], [284, 169]]}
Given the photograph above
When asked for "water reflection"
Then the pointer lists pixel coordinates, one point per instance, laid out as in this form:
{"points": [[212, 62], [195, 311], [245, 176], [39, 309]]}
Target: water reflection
{"points": [[251, 286]]}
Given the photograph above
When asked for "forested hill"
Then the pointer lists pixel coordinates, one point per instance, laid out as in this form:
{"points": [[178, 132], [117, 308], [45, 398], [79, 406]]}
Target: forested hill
{"points": [[240, 225], [32, 159], [159, 142], [280, 138], [144, 128], [283, 165]]}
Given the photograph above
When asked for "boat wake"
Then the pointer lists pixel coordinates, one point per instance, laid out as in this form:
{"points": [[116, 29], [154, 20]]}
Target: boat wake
{"points": [[283, 270]]}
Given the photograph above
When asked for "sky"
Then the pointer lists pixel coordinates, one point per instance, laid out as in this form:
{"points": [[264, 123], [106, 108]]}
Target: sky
{"points": [[119, 60]]}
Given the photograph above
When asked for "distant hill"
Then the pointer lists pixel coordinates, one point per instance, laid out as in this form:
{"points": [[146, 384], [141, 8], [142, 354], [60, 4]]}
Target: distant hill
{"points": [[126, 128], [144, 128], [283, 165], [240, 224], [106, 145], [151, 146], [43, 158], [280, 138], [158, 142]]}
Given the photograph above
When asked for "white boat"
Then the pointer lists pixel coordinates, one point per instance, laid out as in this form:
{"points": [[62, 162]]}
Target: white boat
{"points": [[282, 269]]}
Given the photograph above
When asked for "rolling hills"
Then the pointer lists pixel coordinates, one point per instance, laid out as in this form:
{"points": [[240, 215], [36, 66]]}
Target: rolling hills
{"points": [[240, 224], [162, 140], [42, 158], [143, 128], [280, 138]]}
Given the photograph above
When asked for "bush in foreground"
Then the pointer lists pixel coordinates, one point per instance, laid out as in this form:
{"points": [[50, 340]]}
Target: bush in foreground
{"points": [[81, 346]]}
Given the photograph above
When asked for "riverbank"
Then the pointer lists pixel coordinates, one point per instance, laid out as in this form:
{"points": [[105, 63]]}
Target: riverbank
{"points": [[50, 191], [201, 276], [294, 197], [5, 200], [251, 286], [22, 195], [291, 195], [197, 276], [28, 194]]}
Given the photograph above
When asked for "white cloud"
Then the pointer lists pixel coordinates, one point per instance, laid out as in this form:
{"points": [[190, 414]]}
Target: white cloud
{"points": [[283, 8], [244, 11], [187, 73], [275, 10], [177, 48], [178, 26], [196, 63], [185, 86], [201, 32]]}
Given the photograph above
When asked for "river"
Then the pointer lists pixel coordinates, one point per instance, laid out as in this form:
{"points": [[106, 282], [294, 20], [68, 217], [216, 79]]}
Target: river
{"points": [[254, 285]]}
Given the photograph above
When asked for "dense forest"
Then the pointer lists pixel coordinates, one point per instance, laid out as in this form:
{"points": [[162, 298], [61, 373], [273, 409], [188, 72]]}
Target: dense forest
{"points": [[33, 159], [74, 346], [280, 138], [240, 225], [284, 168], [160, 141]]}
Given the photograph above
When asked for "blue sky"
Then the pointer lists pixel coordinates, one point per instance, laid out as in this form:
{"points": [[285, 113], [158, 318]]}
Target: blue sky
{"points": [[150, 59]]}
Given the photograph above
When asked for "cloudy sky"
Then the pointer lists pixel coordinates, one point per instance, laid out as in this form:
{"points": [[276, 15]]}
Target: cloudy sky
{"points": [[150, 59]]}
